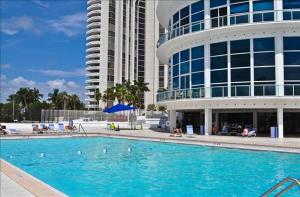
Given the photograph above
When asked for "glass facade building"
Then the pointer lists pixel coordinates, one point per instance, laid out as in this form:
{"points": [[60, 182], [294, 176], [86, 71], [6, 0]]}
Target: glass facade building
{"points": [[242, 51]]}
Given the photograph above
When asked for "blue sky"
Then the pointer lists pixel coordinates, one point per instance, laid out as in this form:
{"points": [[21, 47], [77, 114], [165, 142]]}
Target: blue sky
{"points": [[43, 45]]}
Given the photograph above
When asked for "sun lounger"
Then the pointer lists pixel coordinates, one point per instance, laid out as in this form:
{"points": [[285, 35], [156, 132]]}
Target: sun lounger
{"points": [[189, 131], [43, 127], [71, 126], [51, 127], [61, 127], [36, 129]]}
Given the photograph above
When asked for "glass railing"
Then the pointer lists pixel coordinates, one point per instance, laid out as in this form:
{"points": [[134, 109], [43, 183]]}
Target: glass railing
{"points": [[231, 91], [231, 20]]}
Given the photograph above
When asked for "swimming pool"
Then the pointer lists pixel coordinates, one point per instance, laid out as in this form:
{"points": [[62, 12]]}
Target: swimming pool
{"points": [[120, 167]]}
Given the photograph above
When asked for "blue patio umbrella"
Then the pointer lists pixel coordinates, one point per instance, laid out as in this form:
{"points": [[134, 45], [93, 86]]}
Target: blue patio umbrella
{"points": [[118, 107]]}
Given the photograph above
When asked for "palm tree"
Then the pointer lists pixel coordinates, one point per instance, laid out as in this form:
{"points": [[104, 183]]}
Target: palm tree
{"points": [[63, 99], [98, 96], [35, 93], [141, 88], [121, 92], [74, 101], [109, 95], [54, 98]]}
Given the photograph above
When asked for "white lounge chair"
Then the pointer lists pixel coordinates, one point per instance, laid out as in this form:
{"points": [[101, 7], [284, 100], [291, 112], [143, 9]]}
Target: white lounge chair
{"points": [[61, 127], [252, 132], [189, 130]]}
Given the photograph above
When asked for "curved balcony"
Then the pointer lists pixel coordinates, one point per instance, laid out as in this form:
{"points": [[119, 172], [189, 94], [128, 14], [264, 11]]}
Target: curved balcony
{"points": [[93, 55], [93, 19], [93, 68], [231, 20], [90, 2], [93, 31], [93, 43], [94, 6], [93, 62], [93, 37], [92, 74], [94, 49], [93, 12], [94, 25], [238, 91], [91, 87], [92, 81], [89, 93]]}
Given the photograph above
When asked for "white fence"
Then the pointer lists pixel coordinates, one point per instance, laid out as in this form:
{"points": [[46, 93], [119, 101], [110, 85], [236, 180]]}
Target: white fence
{"points": [[67, 115]]}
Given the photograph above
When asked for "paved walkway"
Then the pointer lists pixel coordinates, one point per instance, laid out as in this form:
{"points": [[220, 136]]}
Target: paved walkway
{"points": [[9, 188], [257, 143]]}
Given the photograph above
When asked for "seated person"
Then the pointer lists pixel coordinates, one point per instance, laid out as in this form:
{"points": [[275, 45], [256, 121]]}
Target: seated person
{"points": [[245, 132], [215, 130], [177, 129]]}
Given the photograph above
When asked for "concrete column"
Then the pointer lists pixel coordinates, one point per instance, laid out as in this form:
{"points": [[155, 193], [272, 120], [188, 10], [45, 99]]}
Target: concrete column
{"points": [[118, 42], [278, 6], [208, 121], [251, 11], [172, 119], [127, 41], [207, 69], [254, 119], [207, 22], [251, 68], [280, 122], [132, 50], [279, 65], [229, 69], [217, 120]]}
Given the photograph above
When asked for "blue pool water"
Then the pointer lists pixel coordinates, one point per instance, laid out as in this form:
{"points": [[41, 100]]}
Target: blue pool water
{"points": [[149, 169]]}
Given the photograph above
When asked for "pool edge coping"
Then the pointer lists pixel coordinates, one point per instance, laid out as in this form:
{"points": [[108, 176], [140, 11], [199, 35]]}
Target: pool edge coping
{"points": [[187, 141], [29, 182]]}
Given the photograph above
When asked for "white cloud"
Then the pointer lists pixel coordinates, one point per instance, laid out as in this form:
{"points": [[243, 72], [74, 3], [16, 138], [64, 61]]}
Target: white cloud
{"points": [[61, 73], [5, 66], [22, 82], [41, 3], [14, 25], [70, 25]]}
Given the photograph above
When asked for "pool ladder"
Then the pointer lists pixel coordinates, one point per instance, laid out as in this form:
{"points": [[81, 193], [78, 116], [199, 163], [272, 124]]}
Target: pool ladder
{"points": [[294, 182], [81, 128]]}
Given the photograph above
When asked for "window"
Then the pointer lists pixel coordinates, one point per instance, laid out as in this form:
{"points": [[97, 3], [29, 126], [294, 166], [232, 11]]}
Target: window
{"points": [[219, 76], [218, 62], [262, 5], [216, 3], [176, 58], [218, 48], [184, 55], [264, 74], [240, 46], [264, 44], [175, 70], [291, 46], [175, 82], [290, 4], [264, 59], [198, 65], [184, 68], [239, 8], [198, 78], [184, 12], [238, 75], [198, 6], [197, 52]]}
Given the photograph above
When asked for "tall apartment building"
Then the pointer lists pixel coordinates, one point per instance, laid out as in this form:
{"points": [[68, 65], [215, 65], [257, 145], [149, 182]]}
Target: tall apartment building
{"points": [[121, 45]]}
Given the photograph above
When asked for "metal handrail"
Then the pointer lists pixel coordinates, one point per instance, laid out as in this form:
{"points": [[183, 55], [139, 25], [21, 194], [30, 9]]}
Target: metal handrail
{"points": [[288, 179], [80, 126], [227, 20]]}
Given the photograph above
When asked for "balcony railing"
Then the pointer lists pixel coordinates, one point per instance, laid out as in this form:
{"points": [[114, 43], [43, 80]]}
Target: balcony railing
{"points": [[232, 20], [231, 91]]}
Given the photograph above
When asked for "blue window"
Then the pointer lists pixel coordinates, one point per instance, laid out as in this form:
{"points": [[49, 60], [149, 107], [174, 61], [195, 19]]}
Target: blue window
{"points": [[218, 62], [218, 76], [218, 48], [239, 8], [185, 55], [264, 59], [175, 58], [184, 68], [241, 60], [292, 58], [263, 5], [185, 82], [264, 74], [198, 65], [237, 1], [175, 82], [291, 43], [240, 46], [197, 52], [175, 17], [290, 4], [185, 21], [292, 73], [238, 75], [198, 6], [198, 17], [175, 70], [264, 44], [184, 12], [216, 3], [198, 78]]}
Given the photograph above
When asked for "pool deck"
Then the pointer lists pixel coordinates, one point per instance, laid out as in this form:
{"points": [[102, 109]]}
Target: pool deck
{"points": [[17, 183], [290, 145]]}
